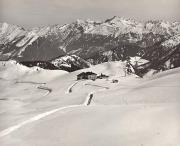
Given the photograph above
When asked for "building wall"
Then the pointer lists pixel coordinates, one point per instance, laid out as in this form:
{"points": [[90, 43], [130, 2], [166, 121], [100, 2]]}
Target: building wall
{"points": [[92, 77], [79, 77]]}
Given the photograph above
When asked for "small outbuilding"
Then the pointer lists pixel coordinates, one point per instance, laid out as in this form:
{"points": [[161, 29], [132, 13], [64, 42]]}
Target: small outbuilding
{"points": [[114, 81], [102, 76]]}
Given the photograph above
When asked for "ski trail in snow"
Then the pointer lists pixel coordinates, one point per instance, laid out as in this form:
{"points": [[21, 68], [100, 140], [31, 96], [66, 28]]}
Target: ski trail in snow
{"points": [[96, 86], [69, 90], [43, 115], [29, 82], [91, 94], [33, 119]]}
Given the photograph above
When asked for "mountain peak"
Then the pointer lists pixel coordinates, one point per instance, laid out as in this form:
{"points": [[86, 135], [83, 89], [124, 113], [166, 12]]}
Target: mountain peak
{"points": [[6, 27], [119, 19], [94, 41]]}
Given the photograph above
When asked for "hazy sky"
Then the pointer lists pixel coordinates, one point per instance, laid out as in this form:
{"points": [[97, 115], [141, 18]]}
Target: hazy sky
{"points": [[30, 13]]}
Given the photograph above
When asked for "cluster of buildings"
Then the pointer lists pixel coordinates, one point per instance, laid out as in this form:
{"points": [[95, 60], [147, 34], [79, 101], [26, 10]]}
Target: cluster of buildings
{"points": [[90, 76]]}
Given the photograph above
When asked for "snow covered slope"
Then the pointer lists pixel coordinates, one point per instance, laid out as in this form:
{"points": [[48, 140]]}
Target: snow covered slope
{"points": [[12, 70], [43, 107]]}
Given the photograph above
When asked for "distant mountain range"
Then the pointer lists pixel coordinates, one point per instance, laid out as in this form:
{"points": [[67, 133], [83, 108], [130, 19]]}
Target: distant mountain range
{"points": [[81, 43]]}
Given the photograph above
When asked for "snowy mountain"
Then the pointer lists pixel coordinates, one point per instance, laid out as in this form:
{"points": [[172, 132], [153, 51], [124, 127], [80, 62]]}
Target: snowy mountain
{"points": [[96, 42], [70, 63], [163, 56], [10, 33]]}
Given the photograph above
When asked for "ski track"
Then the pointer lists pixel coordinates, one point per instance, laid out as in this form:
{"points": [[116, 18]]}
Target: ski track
{"points": [[29, 82], [96, 86], [33, 119], [45, 114]]}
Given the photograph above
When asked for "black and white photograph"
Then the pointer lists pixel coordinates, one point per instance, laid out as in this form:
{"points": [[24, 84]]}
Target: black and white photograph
{"points": [[89, 73]]}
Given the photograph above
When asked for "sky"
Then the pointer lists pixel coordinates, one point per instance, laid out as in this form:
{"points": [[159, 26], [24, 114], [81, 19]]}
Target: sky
{"points": [[31, 13]]}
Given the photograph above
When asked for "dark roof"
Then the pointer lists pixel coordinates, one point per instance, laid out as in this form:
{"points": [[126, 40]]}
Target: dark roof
{"points": [[86, 73]]}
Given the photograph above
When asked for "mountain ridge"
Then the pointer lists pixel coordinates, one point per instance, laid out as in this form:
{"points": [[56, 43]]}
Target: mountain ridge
{"points": [[96, 42]]}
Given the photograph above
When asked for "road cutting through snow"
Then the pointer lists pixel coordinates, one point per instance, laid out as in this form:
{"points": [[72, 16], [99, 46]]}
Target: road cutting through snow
{"points": [[43, 115], [49, 90], [97, 86], [30, 82], [33, 119], [69, 90], [87, 102], [88, 99]]}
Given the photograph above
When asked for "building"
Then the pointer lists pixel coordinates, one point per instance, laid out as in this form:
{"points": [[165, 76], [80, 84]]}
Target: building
{"points": [[102, 76], [114, 81], [81, 76], [87, 76]]}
